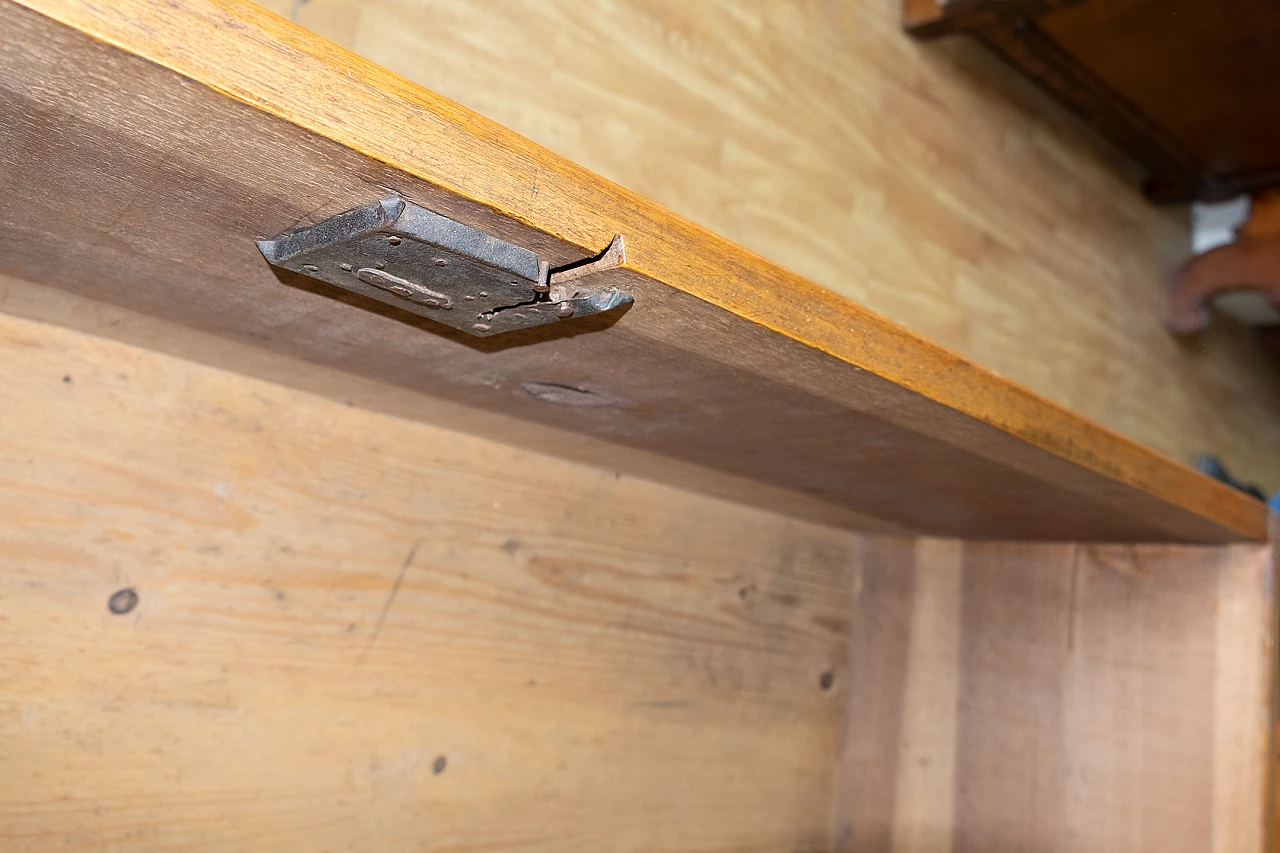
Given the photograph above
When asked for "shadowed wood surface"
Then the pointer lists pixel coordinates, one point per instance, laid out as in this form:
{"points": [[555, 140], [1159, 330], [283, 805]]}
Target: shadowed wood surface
{"points": [[1200, 74], [358, 633], [1182, 87], [1059, 697], [121, 189], [926, 181]]}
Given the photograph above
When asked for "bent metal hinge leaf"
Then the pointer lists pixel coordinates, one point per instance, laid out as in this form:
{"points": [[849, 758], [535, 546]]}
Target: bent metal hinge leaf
{"points": [[415, 259]]}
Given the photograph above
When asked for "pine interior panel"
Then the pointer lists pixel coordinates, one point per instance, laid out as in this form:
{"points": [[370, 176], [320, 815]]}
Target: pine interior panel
{"points": [[143, 186], [355, 632], [486, 647], [1008, 696]]}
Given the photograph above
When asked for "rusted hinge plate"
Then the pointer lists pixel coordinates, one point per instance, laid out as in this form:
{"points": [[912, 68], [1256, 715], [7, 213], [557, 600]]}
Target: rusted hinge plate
{"points": [[415, 259]]}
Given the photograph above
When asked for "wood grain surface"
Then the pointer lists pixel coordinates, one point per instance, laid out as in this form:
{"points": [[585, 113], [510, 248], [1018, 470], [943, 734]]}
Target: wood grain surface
{"points": [[1059, 697], [354, 632], [131, 185], [358, 633], [927, 182]]}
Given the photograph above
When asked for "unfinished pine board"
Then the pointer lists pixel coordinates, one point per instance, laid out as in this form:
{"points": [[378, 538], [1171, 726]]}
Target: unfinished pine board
{"points": [[928, 182], [1067, 697], [132, 183], [358, 633]]}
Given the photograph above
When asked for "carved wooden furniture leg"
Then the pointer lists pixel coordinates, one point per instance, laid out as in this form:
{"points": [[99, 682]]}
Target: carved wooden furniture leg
{"points": [[1252, 262]]}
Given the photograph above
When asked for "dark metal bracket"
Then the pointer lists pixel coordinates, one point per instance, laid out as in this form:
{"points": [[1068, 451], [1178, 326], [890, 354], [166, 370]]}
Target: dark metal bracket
{"points": [[417, 260]]}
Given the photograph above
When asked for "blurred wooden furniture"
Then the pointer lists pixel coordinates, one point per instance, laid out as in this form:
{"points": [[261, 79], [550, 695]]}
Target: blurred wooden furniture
{"points": [[933, 608], [1251, 263], [1186, 88]]}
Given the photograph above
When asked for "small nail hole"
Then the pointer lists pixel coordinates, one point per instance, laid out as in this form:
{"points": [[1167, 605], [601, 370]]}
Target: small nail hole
{"points": [[827, 680], [122, 601], [438, 766]]}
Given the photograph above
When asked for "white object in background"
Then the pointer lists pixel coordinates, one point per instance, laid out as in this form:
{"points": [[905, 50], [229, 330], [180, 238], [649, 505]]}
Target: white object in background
{"points": [[1214, 225], [1250, 307]]}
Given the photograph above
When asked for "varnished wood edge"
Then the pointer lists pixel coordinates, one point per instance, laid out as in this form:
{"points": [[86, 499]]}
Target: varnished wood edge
{"points": [[220, 44]]}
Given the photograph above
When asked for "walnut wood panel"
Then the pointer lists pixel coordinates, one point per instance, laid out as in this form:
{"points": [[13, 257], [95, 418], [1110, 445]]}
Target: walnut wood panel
{"points": [[1065, 697], [928, 182], [357, 633], [136, 186]]}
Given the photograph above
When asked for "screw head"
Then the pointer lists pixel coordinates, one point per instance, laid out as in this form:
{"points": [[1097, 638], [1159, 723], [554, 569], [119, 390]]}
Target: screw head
{"points": [[122, 601], [345, 267], [393, 240], [565, 310]]}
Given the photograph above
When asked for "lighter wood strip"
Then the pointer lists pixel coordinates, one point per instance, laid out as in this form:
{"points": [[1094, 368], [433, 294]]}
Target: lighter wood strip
{"points": [[924, 809], [1244, 700]]}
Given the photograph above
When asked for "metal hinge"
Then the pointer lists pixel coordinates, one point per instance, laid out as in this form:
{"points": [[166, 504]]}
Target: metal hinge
{"points": [[415, 259]]}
